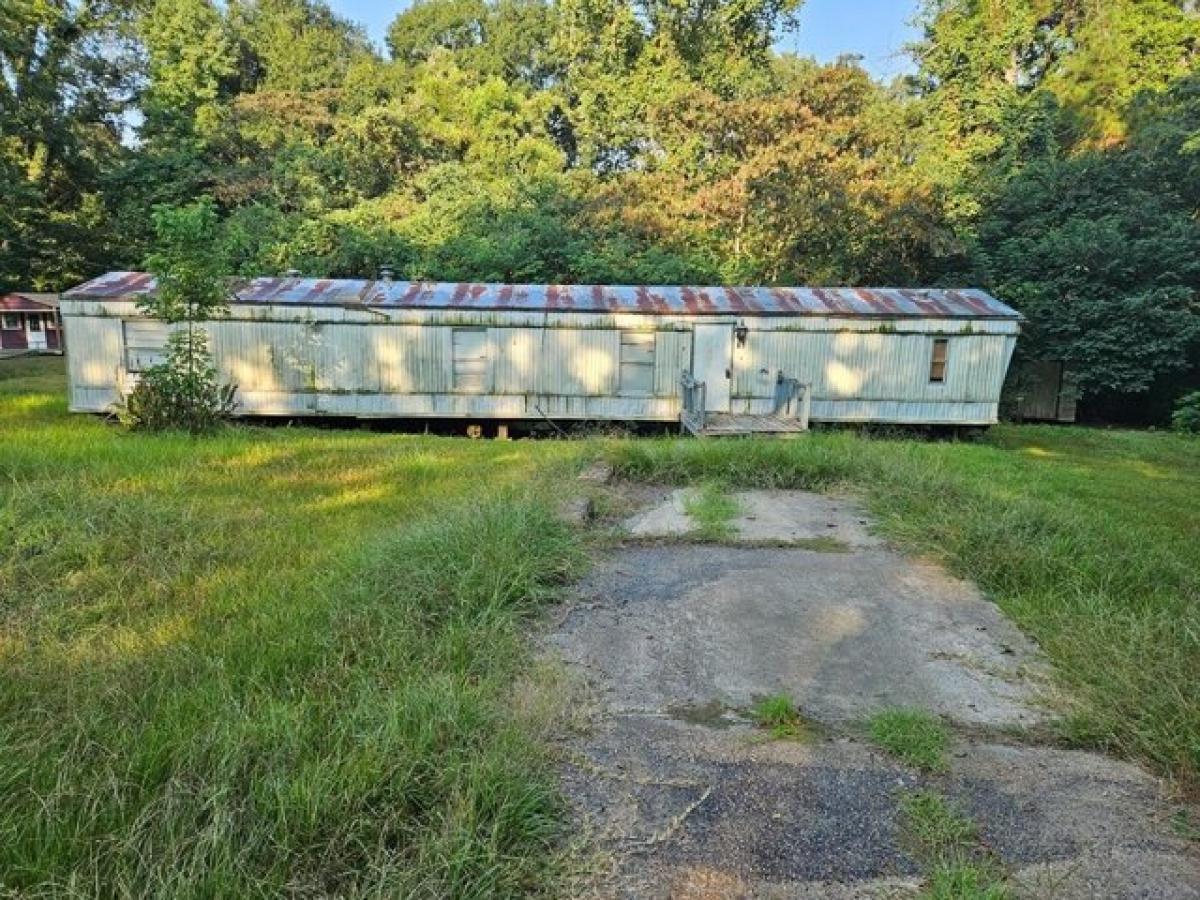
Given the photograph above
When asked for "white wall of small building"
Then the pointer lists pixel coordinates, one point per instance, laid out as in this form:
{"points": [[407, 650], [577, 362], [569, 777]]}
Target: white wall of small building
{"points": [[295, 360]]}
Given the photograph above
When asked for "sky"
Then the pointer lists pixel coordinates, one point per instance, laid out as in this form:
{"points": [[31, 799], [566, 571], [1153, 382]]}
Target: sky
{"points": [[877, 30]]}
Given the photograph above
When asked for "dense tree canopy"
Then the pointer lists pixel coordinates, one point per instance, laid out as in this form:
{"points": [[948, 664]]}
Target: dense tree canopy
{"points": [[1046, 149]]}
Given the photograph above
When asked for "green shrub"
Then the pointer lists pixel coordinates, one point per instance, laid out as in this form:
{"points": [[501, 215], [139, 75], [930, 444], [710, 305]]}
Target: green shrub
{"points": [[182, 393], [1186, 417]]}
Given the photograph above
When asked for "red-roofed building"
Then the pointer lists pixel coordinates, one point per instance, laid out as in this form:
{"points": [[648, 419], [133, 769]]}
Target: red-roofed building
{"points": [[30, 322]]}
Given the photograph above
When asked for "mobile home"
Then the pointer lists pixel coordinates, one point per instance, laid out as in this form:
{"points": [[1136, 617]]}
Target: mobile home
{"points": [[715, 358]]}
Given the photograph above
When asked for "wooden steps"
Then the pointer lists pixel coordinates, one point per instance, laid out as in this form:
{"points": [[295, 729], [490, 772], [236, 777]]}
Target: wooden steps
{"points": [[746, 425]]}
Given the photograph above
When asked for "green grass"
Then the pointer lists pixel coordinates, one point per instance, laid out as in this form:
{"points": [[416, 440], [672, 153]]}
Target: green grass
{"points": [[276, 662], [913, 736], [778, 715], [1088, 539], [712, 510], [964, 880], [938, 829], [947, 843], [292, 661]]}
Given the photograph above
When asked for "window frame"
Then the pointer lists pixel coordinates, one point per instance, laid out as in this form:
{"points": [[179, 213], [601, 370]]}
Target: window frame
{"points": [[939, 365], [637, 355], [11, 322], [475, 384], [140, 353]]}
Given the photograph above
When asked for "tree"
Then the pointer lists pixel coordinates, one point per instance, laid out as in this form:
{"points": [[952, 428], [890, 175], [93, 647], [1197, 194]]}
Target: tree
{"points": [[1060, 131], [184, 391], [1101, 255], [67, 76], [192, 67]]}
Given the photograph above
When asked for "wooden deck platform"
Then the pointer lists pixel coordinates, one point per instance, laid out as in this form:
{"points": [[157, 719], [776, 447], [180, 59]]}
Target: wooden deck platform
{"points": [[744, 425]]}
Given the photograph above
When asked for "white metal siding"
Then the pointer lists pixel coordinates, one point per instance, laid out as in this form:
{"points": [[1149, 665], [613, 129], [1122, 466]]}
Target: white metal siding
{"points": [[672, 357], [94, 362], [287, 360], [871, 366]]}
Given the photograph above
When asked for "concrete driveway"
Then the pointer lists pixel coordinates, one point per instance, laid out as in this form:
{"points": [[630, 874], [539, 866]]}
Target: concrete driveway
{"points": [[685, 797]]}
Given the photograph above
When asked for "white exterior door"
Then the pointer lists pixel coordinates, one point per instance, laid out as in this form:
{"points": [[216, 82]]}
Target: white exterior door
{"points": [[712, 363], [36, 332]]}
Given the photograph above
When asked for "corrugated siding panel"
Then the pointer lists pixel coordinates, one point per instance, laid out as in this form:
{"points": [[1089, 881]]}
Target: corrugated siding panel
{"points": [[342, 359], [948, 413], [411, 358], [672, 356], [871, 366], [273, 356], [578, 363], [270, 356], [515, 368], [94, 357]]}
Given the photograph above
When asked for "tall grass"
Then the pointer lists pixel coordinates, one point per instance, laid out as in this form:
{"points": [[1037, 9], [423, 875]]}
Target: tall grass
{"points": [[277, 663], [290, 661], [1089, 539]]}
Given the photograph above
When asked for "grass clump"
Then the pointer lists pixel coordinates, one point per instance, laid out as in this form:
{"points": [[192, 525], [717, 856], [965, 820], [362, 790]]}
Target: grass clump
{"points": [[779, 717], [712, 510], [965, 880], [939, 830], [947, 842], [913, 736]]}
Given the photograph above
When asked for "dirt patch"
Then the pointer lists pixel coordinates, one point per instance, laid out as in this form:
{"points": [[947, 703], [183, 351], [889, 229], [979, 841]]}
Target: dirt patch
{"points": [[689, 799]]}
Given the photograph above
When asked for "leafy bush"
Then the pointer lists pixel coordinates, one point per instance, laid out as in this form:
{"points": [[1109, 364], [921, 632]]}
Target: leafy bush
{"points": [[1187, 414], [182, 393]]}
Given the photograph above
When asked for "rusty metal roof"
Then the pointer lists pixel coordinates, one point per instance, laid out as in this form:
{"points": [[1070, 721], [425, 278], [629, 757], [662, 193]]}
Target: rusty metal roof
{"points": [[652, 299]]}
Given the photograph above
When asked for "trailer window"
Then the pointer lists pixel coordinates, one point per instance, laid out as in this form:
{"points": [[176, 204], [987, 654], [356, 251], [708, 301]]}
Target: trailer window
{"points": [[637, 362], [937, 362], [145, 344], [470, 360]]}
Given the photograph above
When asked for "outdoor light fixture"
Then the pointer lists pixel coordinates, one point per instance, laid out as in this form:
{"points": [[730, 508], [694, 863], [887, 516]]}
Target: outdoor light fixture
{"points": [[741, 333]]}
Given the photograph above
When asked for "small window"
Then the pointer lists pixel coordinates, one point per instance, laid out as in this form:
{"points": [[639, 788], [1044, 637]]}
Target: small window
{"points": [[35, 323], [637, 362], [145, 344], [937, 362], [12, 322], [470, 360]]}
